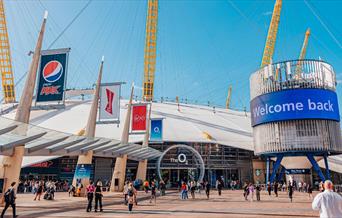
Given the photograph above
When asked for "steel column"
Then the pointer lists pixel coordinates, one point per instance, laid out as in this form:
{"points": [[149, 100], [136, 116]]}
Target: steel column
{"points": [[276, 167], [315, 166], [327, 166]]}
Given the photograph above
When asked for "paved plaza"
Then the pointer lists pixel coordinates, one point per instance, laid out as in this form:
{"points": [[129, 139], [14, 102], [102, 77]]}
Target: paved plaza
{"points": [[230, 204]]}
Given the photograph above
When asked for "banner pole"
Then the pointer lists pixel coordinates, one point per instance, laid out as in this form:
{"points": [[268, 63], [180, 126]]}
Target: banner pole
{"points": [[142, 166], [119, 172], [85, 160]]}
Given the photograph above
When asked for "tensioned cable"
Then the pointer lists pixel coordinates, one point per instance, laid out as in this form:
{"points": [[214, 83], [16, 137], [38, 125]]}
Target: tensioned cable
{"points": [[71, 22], [322, 23], [64, 30]]}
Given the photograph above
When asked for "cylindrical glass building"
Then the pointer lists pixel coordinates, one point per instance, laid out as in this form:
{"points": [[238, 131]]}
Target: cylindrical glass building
{"points": [[294, 108]]}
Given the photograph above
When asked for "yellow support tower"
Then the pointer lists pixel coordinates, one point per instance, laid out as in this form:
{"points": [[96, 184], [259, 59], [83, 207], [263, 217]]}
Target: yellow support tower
{"points": [[229, 97], [272, 35], [302, 53], [5, 59], [150, 49]]}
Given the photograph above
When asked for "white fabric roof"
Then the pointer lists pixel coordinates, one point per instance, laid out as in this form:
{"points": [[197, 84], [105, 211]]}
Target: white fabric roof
{"points": [[226, 127]]}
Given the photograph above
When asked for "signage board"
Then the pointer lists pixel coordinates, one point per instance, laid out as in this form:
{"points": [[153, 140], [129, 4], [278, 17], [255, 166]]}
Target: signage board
{"points": [[109, 109], [295, 104], [297, 171], [156, 132], [52, 75], [139, 117], [82, 172]]}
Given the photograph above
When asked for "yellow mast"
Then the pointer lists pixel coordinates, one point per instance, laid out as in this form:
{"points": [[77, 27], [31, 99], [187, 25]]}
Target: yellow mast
{"points": [[302, 53], [150, 49], [5, 59], [229, 97], [272, 35]]}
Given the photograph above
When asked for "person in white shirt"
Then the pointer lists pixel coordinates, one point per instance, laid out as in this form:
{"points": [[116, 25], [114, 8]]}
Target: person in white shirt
{"points": [[329, 203]]}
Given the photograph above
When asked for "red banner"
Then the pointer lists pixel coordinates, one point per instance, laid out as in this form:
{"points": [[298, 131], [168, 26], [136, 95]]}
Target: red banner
{"points": [[139, 118]]}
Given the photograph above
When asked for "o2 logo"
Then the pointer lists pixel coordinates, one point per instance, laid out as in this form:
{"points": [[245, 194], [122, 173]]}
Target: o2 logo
{"points": [[180, 159]]}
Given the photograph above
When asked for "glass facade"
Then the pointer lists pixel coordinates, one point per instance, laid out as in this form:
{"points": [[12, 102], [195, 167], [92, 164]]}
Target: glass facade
{"points": [[220, 161]]}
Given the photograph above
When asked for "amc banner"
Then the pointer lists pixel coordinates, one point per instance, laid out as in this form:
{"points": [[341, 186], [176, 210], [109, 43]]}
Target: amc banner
{"points": [[52, 75], [139, 117], [156, 132], [109, 102]]}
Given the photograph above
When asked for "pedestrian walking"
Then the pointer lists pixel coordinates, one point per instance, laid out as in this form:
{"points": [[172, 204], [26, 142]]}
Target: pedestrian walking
{"points": [[153, 193], [309, 187], [146, 186], [245, 191], [192, 189], [257, 192], [98, 196], [90, 195], [290, 190], [162, 187], [219, 186], [131, 198], [184, 188], [40, 190], [269, 188], [198, 187], [125, 192], [10, 200], [251, 191], [329, 203], [276, 189], [207, 189]]}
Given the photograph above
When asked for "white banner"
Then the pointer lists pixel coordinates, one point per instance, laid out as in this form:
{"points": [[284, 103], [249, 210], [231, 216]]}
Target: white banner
{"points": [[109, 102]]}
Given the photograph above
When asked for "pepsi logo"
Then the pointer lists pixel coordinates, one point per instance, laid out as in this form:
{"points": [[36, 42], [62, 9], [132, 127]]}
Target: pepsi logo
{"points": [[52, 71]]}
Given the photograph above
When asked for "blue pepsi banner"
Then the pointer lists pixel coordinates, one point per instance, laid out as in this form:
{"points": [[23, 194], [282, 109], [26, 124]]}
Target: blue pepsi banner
{"points": [[295, 104], [52, 75], [156, 132]]}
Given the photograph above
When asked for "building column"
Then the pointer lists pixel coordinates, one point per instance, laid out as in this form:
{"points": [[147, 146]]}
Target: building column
{"points": [[267, 170], [315, 166], [327, 166], [12, 164], [86, 159], [142, 167], [119, 172]]}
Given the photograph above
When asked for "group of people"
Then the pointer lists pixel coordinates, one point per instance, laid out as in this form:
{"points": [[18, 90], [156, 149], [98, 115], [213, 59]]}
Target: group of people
{"points": [[130, 191], [94, 190], [328, 202], [28, 185], [196, 186]]}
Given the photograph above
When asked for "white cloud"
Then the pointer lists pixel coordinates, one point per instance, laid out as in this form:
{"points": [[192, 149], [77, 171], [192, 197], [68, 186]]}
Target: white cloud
{"points": [[267, 13]]}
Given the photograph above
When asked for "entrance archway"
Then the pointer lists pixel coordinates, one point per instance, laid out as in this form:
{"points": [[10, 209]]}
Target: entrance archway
{"points": [[182, 158]]}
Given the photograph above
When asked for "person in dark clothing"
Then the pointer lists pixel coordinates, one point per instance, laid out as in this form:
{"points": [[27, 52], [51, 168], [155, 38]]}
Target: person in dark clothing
{"points": [[90, 195], [310, 190], [290, 190], [153, 193], [219, 186], [276, 189], [162, 187], [269, 188], [207, 189], [98, 196], [258, 189], [9, 200], [245, 191]]}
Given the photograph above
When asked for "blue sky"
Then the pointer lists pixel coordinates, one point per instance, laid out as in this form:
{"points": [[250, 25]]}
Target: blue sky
{"points": [[202, 48]]}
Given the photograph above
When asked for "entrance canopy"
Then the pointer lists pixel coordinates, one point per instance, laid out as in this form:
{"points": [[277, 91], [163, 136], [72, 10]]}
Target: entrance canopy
{"points": [[40, 141]]}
